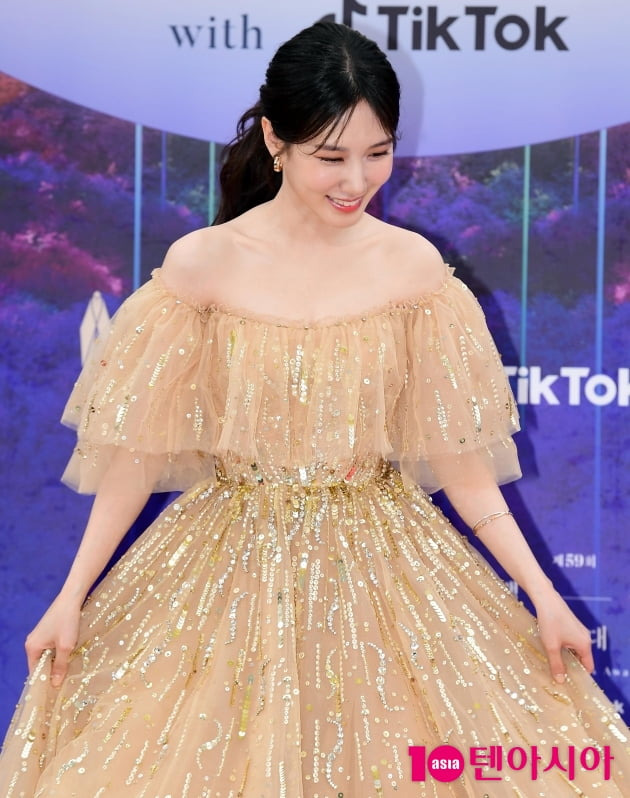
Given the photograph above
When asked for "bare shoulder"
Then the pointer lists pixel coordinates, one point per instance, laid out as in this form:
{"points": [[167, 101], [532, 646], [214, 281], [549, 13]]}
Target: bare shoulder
{"points": [[416, 262], [191, 261]]}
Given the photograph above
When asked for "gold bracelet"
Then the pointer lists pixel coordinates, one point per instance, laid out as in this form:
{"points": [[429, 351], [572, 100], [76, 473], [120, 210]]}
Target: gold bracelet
{"points": [[488, 519]]}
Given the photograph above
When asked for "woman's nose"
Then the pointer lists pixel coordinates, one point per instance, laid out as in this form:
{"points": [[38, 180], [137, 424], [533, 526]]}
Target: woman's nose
{"points": [[354, 180]]}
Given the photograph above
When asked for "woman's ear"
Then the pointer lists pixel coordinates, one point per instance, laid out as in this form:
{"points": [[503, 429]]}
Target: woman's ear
{"points": [[272, 142]]}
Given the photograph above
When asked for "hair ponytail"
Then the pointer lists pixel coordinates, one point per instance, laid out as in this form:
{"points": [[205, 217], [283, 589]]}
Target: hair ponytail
{"points": [[312, 84], [247, 178]]}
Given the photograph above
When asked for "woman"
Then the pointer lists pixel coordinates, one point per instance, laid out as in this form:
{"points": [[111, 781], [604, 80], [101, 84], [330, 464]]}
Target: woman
{"points": [[302, 614]]}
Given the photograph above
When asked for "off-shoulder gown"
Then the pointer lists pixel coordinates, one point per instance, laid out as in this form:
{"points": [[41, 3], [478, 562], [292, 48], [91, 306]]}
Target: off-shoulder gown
{"points": [[302, 613]]}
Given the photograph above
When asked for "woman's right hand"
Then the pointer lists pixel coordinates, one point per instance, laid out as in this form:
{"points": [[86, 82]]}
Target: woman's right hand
{"points": [[58, 630]]}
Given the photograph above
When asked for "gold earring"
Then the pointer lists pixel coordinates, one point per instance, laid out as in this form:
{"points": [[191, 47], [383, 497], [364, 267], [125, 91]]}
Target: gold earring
{"points": [[277, 164]]}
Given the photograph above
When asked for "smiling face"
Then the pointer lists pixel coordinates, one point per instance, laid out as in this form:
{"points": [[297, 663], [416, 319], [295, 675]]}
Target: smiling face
{"points": [[332, 178]]}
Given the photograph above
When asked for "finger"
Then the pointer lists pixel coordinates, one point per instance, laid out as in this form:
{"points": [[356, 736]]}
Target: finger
{"points": [[60, 665], [585, 655], [34, 652], [32, 658], [582, 649], [556, 665]]}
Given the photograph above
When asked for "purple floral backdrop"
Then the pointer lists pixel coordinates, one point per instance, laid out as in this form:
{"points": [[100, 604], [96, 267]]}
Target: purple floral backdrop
{"points": [[67, 202]]}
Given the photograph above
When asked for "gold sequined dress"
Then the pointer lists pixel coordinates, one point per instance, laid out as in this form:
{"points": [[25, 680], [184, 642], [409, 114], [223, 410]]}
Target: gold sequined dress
{"points": [[302, 613]]}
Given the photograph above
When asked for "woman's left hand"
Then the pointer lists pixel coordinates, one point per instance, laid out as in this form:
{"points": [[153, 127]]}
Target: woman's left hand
{"points": [[559, 628]]}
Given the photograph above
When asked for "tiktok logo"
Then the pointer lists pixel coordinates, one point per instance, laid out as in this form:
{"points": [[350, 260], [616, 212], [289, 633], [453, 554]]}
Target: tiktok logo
{"points": [[423, 28]]}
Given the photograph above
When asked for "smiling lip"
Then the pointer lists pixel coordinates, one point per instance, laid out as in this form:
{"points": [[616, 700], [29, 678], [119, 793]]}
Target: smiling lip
{"points": [[345, 206]]}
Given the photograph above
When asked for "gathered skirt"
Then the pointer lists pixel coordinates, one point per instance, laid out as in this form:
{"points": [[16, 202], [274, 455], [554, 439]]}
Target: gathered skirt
{"points": [[310, 641]]}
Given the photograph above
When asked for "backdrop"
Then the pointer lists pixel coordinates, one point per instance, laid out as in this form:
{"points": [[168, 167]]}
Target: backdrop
{"points": [[514, 161]]}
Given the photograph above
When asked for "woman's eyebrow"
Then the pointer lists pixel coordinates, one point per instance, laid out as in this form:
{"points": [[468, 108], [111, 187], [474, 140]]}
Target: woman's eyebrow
{"points": [[336, 148]]}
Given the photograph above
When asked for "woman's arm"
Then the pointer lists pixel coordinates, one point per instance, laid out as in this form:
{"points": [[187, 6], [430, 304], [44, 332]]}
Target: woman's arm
{"points": [[116, 506], [480, 497]]}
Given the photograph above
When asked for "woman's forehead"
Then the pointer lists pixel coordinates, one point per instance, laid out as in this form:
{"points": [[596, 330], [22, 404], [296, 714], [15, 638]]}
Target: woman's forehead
{"points": [[354, 127]]}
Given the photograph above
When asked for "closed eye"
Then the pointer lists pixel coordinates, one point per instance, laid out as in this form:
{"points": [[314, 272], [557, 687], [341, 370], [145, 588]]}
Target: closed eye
{"points": [[340, 160]]}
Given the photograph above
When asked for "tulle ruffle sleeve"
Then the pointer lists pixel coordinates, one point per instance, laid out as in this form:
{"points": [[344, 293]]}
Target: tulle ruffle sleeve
{"points": [[144, 389], [176, 387], [456, 413]]}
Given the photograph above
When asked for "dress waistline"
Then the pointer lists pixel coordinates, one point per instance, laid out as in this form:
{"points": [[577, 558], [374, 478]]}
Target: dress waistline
{"points": [[232, 469]]}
